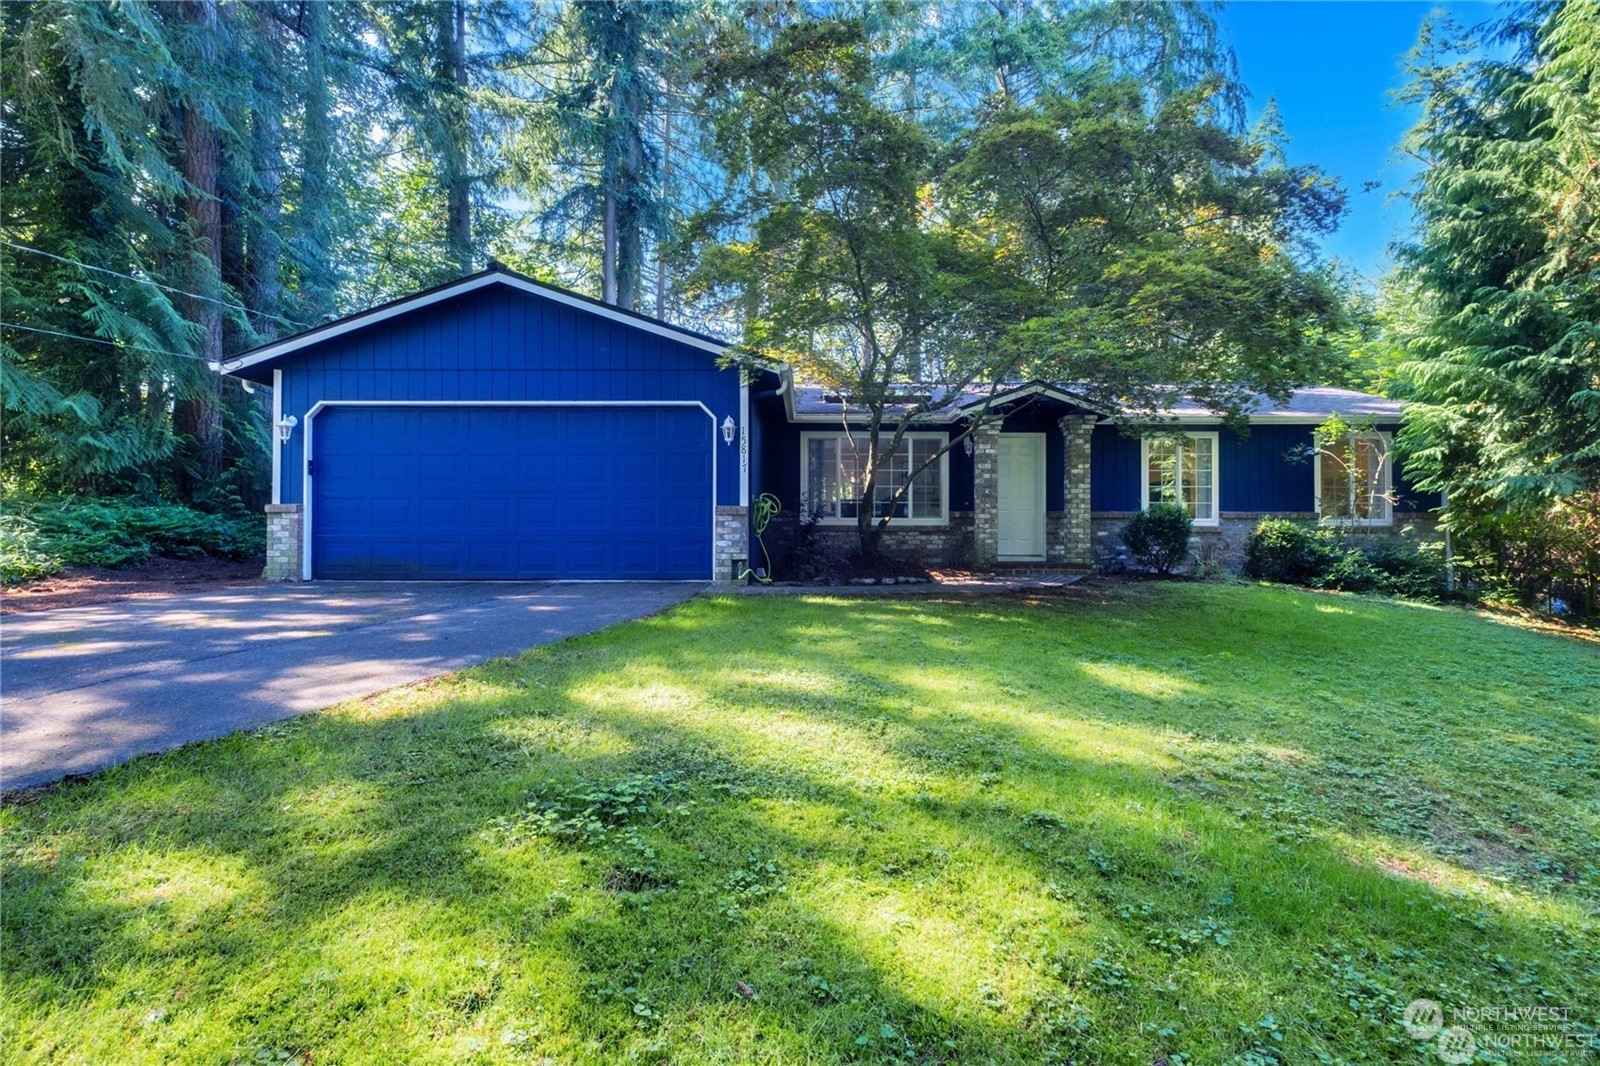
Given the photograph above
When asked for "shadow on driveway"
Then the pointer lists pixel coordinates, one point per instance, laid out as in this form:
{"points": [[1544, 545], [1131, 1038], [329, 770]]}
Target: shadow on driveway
{"points": [[87, 687]]}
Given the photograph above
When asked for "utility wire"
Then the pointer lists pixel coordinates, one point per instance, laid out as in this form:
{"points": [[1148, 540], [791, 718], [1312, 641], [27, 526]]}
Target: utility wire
{"points": [[102, 340], [146, 281]]}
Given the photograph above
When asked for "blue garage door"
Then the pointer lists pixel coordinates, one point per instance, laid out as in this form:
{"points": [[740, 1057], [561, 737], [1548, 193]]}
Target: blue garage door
{"points": [[511, 492]]}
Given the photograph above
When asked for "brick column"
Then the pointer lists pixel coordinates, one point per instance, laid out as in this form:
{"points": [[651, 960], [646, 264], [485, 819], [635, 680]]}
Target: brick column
{"points": [[1076, 433], [731, 541], [283, 542], [986, 496]]}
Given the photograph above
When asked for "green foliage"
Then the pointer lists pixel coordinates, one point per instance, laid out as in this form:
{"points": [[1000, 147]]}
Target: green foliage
{"points": [[1151, 247], [1281, 550], [1158, 537], [1329, 557], [1504, 352], [40, 537], [1189, 823], [22, 557], [1545, 556]]}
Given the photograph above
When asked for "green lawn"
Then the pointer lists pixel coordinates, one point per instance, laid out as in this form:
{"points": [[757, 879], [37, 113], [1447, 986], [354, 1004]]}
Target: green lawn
{"points": [[1135, 824]]}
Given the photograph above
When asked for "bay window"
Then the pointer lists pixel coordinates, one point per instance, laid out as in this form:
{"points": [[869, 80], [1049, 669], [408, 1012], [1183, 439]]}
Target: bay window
{"points": [[833, 478]]}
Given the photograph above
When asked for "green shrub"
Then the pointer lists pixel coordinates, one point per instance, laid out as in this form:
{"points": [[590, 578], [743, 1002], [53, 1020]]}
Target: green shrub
{"points": [[1349, 570], [1281, 550], [40, 537], [1159, 537], [21, 557], [1325, 558]]}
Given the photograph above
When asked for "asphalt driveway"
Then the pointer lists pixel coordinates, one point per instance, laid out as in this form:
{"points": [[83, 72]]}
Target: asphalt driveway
{"points": [[86, 687]]}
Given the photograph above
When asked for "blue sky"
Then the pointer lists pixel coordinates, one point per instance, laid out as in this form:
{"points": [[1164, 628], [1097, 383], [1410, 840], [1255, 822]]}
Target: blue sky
{"points": [[1332, 67]]}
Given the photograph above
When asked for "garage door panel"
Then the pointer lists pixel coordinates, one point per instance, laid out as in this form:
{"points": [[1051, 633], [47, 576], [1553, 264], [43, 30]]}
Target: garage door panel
{"points": [[492, 492]]}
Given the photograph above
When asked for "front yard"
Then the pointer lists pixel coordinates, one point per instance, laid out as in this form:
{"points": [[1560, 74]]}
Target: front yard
{"points": [[1135, 824]]}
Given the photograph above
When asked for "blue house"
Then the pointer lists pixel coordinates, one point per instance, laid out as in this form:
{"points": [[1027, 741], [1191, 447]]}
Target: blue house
{"points": [[497, 427]]}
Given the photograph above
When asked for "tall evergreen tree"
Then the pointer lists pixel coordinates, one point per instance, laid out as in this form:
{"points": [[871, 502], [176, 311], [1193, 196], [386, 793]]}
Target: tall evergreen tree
{"points": [[1505, 353]]}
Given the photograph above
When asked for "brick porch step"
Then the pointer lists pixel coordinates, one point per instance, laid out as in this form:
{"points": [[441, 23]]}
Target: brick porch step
{"points": [[1036, 569]]}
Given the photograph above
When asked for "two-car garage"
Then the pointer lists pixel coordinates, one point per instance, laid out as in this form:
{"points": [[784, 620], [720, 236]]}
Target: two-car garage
{"points": [[586, 492], [500, 428]]}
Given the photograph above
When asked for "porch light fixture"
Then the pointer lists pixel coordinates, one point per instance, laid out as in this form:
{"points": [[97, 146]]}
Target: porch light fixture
{"points": [[286, 426], [727, 430], [966, 445]]}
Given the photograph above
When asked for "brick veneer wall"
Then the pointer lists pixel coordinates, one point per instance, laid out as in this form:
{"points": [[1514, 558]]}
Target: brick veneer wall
{"points": [[986, 496], [946, 545], [284, 528], [1223, 544], [1077, 529], [731, 540]]}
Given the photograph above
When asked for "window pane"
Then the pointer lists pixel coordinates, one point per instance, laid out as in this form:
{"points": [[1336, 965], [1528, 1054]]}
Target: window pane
{"points": [[823, 488], [927, 497], [836, 475], [1369, 468], [1199, 458], [1162, 473], [1352, 480]]}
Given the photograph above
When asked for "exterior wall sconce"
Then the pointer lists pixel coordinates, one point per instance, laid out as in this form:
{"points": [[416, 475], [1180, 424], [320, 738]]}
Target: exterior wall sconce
{"points": [[286, 426], [727, 430], [966, 445]]}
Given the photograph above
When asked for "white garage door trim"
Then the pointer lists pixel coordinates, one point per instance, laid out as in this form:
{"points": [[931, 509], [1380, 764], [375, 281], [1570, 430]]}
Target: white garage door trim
{"points": [[322, 405]]}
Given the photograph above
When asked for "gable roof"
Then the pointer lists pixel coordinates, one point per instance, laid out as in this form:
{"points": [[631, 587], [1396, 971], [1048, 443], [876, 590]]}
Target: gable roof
{"points": [[497, 274]]}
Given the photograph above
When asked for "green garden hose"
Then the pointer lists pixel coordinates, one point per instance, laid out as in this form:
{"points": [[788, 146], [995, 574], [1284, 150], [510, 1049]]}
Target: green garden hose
{"points": [[765, 507]]}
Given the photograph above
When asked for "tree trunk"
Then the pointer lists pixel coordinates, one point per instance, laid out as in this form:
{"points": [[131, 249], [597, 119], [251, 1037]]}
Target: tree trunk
{"points": [[199, 417], [666, 176], [314, 239], [263, 281], [457, 181], [608, 244]]}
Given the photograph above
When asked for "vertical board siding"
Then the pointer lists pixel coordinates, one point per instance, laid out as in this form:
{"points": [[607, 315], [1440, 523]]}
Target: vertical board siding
{"points": [[1113, 470], [1268, 469], [500, 344]]}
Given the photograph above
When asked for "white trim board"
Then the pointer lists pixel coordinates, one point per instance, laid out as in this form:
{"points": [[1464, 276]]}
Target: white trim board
{"points": [[405, 306], [317, 408], [277, 445]]}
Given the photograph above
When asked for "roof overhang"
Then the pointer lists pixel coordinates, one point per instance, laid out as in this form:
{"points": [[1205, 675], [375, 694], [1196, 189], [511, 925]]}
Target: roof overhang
{"points": [[963, 408], [493, 277]]}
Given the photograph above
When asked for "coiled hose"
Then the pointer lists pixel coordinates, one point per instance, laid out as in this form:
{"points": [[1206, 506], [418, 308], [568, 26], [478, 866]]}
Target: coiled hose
{"points": [[762, 513]]}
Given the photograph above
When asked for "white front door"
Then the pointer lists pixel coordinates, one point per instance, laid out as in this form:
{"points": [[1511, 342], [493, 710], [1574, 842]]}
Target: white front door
{"points": [[1021, 493]]}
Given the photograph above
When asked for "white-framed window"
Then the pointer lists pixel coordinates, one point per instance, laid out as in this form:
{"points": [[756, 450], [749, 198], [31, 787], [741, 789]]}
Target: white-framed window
{"points": [[1181, 469], [833, 474], [1352, 480]]}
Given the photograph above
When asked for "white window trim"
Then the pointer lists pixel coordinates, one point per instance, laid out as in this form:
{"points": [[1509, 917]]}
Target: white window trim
{"points": [[1216, 475], [1386, 491], [944, 480]]}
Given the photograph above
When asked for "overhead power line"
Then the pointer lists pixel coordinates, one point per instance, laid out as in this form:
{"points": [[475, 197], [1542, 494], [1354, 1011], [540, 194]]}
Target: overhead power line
{"points": [[146, 281], [101, 340]]}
